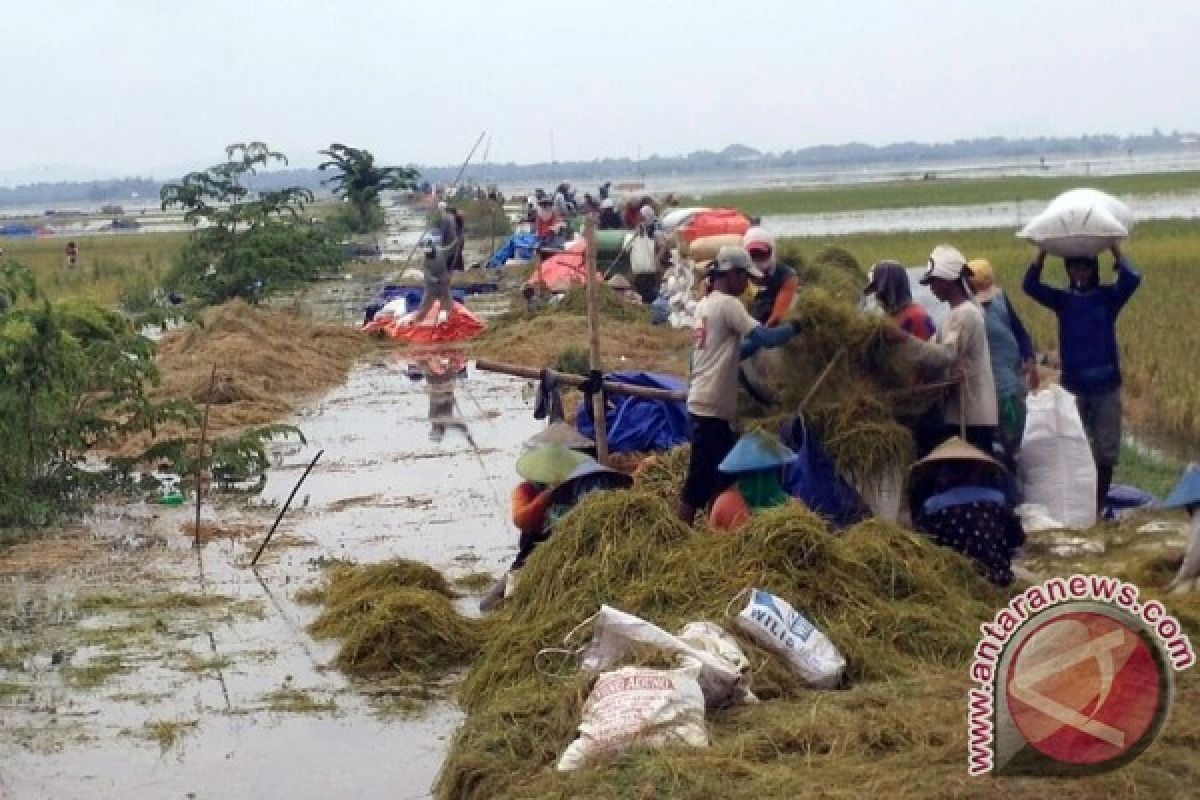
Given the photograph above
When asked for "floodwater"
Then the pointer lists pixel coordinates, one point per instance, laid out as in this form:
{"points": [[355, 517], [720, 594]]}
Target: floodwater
{"points": [[387, 485], [1183, 205]]}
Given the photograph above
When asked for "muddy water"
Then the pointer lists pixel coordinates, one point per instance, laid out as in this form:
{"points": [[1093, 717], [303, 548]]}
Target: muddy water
{"points": [[208, 680]]}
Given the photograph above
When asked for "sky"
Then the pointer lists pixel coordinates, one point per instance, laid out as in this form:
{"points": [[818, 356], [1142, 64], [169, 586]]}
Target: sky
{"points": [[112, 88]]}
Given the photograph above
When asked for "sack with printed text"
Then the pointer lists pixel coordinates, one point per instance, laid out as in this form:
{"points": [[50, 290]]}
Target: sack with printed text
{"points": [[637, 705], [773, 623]]}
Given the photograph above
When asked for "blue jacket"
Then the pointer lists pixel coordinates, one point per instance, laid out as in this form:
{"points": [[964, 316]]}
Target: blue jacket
{"points": [[1087, 327]]}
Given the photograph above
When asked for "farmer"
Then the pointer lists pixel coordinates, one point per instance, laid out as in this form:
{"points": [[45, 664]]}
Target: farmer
{"points": [[889, 284], [723, 333], [447, 227], [1012, 354], [437, 285], [460, 240], [756, 462], [1186, 495], [549, 226], [556, 476], [777, 289], [1087, 340], [960, 348], [610, 219], [957, 499]]}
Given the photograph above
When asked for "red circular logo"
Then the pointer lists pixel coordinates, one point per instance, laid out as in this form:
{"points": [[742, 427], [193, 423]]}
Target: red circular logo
{"points": [[1084, 688]]}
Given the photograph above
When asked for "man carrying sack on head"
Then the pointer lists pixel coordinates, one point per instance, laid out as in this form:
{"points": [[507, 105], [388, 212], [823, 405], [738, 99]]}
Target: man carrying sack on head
{"points": [[1087, 341], [723, 333]]}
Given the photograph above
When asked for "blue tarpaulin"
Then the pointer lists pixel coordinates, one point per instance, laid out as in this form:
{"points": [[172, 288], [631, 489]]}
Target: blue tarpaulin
{"points": [[638, 425], [412, 296], [813, 479], [520, 245]]}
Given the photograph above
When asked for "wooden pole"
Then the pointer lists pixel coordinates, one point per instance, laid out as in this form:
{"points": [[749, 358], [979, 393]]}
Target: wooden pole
{"points": [[286, 505], [598, 405], [571, 379], [212, 380]]}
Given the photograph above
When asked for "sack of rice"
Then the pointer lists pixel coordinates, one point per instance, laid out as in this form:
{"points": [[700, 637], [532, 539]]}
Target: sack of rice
{"points": [[1081, 222], [773, 623], [636, 705]]}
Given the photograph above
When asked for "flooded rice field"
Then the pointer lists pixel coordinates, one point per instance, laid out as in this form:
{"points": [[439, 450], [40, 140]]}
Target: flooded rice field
{"points": [[1183, 205], [135, 665]]}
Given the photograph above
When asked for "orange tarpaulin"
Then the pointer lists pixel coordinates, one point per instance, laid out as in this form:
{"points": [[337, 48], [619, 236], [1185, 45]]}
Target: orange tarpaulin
{"points": [[562, 270], [460, 325], [714, 223]]}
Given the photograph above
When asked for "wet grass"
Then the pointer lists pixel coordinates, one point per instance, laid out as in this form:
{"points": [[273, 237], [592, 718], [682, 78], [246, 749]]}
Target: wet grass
{"points": [[137, 633], [1154, 473], [134, 600], [193, 662], [108, 264], [13, 656], [95, 672], [14, 689], [474, 581], [938, 192], [297, 701], [168, 733]]}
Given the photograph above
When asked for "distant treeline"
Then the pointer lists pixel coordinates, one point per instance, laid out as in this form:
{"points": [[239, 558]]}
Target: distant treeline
{"points": [[733, 158]]}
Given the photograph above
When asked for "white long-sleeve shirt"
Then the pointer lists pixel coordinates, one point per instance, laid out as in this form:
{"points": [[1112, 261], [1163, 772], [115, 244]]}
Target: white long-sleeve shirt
{"points": [[960, 345]]}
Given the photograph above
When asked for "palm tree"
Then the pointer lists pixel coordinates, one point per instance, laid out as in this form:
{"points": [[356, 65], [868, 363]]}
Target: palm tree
{"points": [[359, 180]]}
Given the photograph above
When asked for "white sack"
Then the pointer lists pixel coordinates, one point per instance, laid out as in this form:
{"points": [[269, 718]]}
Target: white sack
{"points": [[636, 705], [773, 623], [617, 636], [1081, 222], [1055, 463], [641, 256], [679, 217]]}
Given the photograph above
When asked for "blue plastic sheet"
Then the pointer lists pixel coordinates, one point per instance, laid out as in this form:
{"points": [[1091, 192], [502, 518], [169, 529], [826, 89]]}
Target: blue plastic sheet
{"points": [[813, 479], [520, 245], [638, 425]]}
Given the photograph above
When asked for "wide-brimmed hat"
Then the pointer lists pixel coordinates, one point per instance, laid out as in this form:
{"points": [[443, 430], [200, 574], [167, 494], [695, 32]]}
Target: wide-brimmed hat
{"points": [[1187, 491], [549, 464], [955, 449], [947, 263], [983, 280], [559, 433], [590, 468], [619, 282], [755, 451]]}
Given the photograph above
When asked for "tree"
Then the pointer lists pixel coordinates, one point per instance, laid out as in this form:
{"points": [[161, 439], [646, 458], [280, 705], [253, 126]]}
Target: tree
{"points": [[245, 243], [359, 181]]}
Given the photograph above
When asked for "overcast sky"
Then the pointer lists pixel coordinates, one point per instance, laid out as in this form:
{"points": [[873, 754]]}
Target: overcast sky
{"points": [[123, 87]]}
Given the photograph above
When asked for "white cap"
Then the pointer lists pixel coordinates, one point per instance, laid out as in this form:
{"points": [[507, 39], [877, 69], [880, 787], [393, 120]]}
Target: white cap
{"points": [[945, 262], [731, 257]]}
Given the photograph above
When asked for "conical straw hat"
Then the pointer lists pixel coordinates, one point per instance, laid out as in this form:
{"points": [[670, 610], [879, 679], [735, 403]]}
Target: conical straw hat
{"points": [[549, 464], [956, 449], [754, 451], [559, 433]]}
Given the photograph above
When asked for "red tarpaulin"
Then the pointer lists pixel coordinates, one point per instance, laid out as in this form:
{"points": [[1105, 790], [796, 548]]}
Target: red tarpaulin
{"points": [[714, 223]]}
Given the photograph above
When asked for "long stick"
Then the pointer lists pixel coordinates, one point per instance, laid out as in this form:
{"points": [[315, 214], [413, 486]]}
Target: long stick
{"points": [[598, 405], [821, 378], [571, 379], [212, 380], [454, 184], [283, 510]]}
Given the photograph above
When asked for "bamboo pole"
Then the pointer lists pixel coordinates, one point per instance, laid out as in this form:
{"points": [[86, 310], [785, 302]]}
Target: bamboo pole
{"points": [[571, 379], [598, 405], [212, 381], [286, 505]]}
